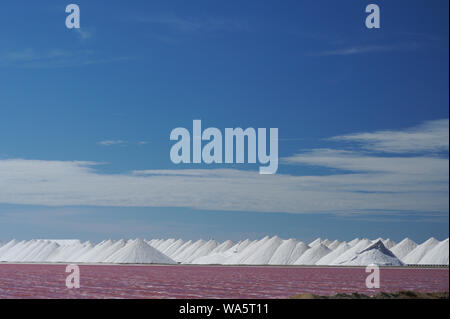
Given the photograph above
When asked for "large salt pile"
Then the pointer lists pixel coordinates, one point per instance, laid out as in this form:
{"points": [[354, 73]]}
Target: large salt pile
{"points": [[203, 250], [106, 252], [240, 257], [138, 252], [283, 253], [420, 251], [222, 257], [41, 252], [312, 255], [335, 244], [173, 247], [186, 253], [264, 253], [10, 254], [6, 247], [388, 243], [89, 256], [165, 244], [403, 248], [348, 254], [436, 256], [75, 256], [329, 258], [354, 242], [223, 247], [62, 253], [180, 249], [376, 254], [315, 242], [299, 250]]}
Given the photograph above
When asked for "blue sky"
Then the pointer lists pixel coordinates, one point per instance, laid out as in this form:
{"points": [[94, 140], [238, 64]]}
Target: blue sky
{"points": [[85, 118]]}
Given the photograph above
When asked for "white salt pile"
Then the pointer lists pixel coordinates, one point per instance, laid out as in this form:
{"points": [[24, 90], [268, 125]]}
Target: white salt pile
{"points": [[351, 252], [203, 250], [388, 243], [138, 252], [376, 254], [354, 242], [173, 247], [316, 242], [403, 248], [282, 254], [188, 251], [329, 258], [312, 255], [105, 253], [264, 253], [420, 251], [76, 255], [437, 255], [223, 247], [335, 244]]}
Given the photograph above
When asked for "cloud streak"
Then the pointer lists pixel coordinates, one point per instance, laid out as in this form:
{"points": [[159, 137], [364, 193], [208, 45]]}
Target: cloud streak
{"points": [[361, 183], [112, 142], [366, 49], [431, 136]]}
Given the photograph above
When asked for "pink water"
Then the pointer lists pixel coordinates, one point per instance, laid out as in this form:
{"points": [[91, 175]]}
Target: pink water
{"points": [[105, 281]]}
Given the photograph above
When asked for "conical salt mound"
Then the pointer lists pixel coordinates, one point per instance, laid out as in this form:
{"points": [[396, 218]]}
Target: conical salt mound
{"points": [[265, 252], [283, 252], [316, 242], [138, 252], [335, 244], [415, 256], [312, 255], [376, 254], [388, 243], [437, 256], [329, 258], [403, 248], [349, 253]]}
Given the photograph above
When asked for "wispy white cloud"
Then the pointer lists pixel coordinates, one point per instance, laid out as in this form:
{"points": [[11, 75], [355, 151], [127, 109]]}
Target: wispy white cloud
{"points": [[363, 182], [56, 183], [363, 49], [121, 143], [112, 142], [431, 136]]}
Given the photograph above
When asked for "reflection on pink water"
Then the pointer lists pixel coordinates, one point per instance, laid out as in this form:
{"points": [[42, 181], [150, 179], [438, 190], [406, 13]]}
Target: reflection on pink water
{"points": [[105, 281]]}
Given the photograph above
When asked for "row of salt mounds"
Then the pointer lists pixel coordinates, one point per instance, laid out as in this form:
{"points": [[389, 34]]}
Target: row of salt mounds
{"points": [[138, 252], [437, 256], [376, 254], [420, 251], [273, 251]]}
